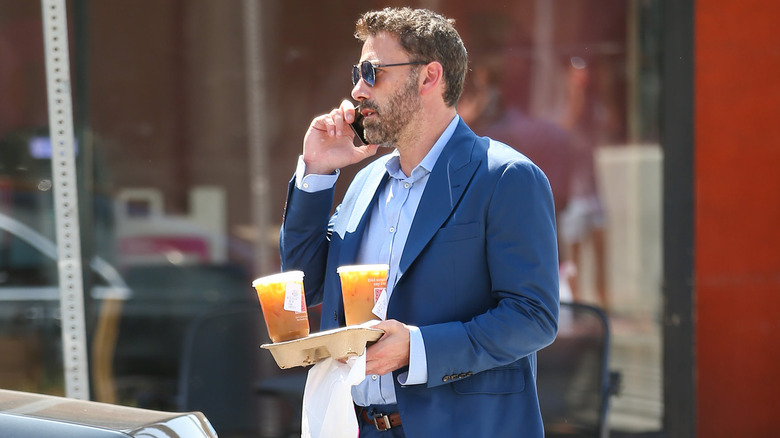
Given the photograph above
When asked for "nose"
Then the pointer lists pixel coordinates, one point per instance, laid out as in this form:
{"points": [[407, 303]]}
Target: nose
{"points": [[361, 90]]}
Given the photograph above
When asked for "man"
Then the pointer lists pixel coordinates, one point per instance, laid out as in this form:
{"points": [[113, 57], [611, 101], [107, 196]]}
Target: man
{"points": [[465, 223]]}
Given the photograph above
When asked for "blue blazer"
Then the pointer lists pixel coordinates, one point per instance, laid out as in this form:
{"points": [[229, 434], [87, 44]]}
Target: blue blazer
{"points": [[478, 275]]}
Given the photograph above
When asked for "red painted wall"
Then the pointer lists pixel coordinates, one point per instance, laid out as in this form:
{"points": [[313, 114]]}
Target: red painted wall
{"points": [[737, 241]]}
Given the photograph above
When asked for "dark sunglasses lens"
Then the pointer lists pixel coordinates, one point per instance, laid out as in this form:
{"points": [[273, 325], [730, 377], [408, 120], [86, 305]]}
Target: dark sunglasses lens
{"points": [[367, 70], [355, 74]]}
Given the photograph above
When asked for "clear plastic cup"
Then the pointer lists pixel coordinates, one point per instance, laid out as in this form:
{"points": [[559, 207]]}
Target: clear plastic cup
{"points": [[284, 305], [361, 286]]}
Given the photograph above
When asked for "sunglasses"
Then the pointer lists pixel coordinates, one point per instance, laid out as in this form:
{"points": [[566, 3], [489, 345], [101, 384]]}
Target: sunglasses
{"points": [[367, 71]]}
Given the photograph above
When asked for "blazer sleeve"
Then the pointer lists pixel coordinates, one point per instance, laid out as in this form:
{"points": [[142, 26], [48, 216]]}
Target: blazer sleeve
{"points": [[304, 237], [522, 259]]}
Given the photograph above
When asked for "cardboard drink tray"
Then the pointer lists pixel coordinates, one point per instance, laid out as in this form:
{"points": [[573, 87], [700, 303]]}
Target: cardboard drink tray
{"points": [[338, 343]]}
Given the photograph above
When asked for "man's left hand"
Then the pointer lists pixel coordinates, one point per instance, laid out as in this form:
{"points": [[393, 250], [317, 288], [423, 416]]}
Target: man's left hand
{"points": [[391, 351]]}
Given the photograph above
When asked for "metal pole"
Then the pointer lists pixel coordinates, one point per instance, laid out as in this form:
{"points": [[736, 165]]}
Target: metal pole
{"points": [[544, 84], [257, 113], [74, 345]]}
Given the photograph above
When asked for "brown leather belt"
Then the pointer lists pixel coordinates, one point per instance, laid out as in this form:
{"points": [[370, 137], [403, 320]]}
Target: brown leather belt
{"points": [[381, 421]]}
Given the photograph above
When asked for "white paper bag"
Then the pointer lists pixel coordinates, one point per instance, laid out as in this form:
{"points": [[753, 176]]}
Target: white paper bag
{"points": [[328, 410]]}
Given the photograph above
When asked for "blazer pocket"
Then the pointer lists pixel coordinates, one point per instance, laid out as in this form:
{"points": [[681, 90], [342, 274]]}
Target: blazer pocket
{"points": [[453, 233], [495, 381]]}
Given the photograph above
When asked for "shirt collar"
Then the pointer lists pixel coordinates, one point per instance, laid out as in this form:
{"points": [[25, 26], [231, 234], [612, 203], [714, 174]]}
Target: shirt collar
{"points": [[393, 165]]}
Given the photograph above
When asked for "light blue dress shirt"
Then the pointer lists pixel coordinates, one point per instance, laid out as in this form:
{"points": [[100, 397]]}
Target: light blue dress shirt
{"points": [[388, 227]]}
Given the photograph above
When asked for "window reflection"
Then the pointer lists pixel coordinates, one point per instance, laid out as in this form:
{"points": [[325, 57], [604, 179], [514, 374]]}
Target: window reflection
{"points": [[160, 95]]}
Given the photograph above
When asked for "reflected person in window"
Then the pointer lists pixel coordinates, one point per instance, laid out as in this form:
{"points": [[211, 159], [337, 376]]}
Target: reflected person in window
{"points": [[466, 224]]}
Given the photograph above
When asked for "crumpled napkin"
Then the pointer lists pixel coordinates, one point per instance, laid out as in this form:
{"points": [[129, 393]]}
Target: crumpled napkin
{"points": [[328, 410]]}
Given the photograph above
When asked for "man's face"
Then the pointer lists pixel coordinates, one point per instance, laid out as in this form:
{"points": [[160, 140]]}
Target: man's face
{"points": [[394, 100]]}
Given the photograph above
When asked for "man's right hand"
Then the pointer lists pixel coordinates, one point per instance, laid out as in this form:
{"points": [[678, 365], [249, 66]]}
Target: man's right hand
{"points": [[328, 145]]}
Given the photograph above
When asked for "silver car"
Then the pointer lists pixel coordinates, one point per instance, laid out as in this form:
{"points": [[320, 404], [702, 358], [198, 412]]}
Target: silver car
{"points": [[24, 415]]}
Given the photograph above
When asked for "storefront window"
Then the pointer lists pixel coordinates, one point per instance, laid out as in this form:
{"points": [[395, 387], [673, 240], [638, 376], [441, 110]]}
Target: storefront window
{"points": [[189, 118], [30, 334]]}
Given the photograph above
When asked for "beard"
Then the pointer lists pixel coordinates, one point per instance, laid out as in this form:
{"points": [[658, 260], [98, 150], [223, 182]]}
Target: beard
{"points": [[394, 116]]}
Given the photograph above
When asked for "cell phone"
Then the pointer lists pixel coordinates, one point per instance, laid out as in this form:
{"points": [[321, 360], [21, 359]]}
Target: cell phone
{"points": [[357, 127]]}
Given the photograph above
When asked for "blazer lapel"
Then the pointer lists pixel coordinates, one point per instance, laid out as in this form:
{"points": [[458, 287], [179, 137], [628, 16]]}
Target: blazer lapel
{"points": [[355, 209], [447, 183]]}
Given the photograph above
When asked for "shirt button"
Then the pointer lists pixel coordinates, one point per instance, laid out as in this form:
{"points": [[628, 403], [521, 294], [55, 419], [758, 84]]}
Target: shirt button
{"points": [[407, 185], [305, 185], [374, 377], [392, 229]]}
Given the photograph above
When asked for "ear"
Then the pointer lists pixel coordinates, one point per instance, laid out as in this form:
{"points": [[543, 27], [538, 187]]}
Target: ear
{"points": [[431, 77]]}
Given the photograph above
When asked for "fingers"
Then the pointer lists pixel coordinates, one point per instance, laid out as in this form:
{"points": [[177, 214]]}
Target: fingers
{"points": [[336, 122], [348, 110], [328, 143], [391, 351]]}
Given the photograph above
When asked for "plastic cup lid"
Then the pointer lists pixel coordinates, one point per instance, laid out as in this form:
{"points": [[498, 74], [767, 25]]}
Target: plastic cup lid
{"points": [[281, 277], [361, 268]]}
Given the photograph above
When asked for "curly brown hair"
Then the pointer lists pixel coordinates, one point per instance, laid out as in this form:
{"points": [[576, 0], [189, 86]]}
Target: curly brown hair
{"points": [[426, 36]]}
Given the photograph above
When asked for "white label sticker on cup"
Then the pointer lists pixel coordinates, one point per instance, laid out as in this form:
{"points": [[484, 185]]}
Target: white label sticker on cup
{"points": [[292, 298], [380, 307]]}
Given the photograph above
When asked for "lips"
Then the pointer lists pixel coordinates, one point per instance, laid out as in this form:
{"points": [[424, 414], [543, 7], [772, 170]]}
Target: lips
{"points": [[368, 112]]}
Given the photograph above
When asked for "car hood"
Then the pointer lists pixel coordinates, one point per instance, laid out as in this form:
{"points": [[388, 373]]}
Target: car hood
{"points": [[131, 421]]}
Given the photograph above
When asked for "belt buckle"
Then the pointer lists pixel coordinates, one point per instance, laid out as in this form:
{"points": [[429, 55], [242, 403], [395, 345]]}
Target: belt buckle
{"points": [[385, 421]]}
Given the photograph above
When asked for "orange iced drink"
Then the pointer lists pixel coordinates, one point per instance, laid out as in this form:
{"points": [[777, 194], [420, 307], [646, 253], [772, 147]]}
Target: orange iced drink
{"points": [[284, 305], [361, 287]]}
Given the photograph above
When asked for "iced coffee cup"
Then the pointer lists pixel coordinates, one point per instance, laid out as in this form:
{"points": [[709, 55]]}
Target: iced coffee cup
{"points": [[284, 305], [361, 288]]}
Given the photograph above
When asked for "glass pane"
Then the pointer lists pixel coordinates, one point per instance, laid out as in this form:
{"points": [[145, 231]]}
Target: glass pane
{"points": [[29, 320], [190, 117], [574, 85]]}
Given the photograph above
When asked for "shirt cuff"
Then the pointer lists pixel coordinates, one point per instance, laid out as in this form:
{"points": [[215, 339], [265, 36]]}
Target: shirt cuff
{"points": [[313, 183], [418, 362]]}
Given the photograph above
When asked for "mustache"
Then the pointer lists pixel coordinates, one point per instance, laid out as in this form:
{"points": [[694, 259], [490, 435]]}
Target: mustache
{"points": [[369, 105]]}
